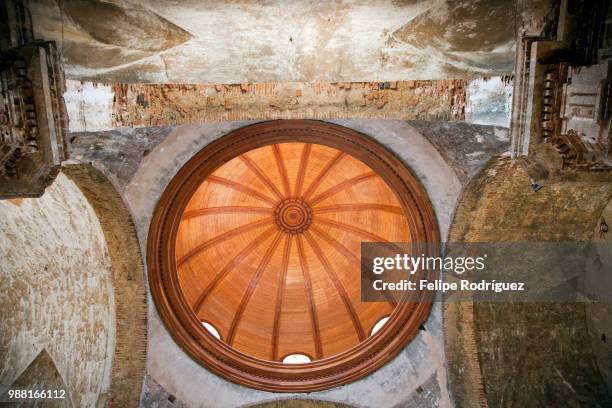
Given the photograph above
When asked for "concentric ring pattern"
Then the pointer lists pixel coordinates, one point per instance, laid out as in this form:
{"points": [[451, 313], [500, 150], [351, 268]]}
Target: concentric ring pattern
{"points": [[268, 249]]}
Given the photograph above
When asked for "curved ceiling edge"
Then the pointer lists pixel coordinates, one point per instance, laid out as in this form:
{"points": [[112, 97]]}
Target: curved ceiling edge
{"points": [[239, 367]]}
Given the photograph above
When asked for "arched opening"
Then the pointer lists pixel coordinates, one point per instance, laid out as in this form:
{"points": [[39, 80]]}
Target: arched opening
{"points": [[128, 281], [212, 330], [296, 358], [379, 325]]}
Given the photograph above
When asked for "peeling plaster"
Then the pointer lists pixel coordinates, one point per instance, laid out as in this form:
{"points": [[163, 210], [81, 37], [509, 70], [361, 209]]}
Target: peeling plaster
{"points": [[55, 277], [243, 41]]}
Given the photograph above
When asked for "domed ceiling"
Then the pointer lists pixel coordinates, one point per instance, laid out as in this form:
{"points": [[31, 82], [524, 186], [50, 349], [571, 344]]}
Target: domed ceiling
{"points": [[254, 255], [268, 249]]}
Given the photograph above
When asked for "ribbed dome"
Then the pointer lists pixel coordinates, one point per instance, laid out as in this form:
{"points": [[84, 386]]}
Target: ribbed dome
{"points": [[268, 249]]}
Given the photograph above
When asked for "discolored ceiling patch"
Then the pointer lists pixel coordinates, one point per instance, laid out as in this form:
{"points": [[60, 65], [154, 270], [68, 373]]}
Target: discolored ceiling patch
{"points": [[244, 41], [95, 35], [463, 26], [467, 35], [128, 25]]}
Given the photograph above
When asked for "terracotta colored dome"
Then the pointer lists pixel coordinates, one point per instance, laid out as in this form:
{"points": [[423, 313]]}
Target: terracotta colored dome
{"points": [[268, 249], [254, 255]]}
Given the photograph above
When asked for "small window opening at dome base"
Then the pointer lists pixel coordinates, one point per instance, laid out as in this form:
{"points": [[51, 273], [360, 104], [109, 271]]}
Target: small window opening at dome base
{"points": [[379, 324], [296, 359], [212, 330], [291, 202]]}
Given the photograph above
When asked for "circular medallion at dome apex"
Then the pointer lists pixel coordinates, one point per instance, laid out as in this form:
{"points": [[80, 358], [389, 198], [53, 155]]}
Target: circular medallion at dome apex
{"points": [[293, 215], [266, 241]]}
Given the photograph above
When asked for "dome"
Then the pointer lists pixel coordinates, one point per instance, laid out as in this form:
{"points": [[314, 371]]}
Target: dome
{"points": [[256, 261], [268, 249]]}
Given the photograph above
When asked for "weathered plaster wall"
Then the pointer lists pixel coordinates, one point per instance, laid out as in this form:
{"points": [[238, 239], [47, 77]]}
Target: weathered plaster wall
{"points": [[55, 280], [524, 354], [120, 151], [465, 147], [416, 376], [128, 280], [244, 41]]}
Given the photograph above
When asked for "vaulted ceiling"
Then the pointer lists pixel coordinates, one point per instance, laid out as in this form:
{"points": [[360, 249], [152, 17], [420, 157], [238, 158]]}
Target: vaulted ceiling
{"points": [[268, 249], [245, 41]]}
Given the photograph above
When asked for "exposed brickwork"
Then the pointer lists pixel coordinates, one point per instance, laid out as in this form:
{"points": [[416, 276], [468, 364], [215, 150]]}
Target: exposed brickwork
{"points": [[128, 282], [528, 354], [465, 376], [171, 104]]}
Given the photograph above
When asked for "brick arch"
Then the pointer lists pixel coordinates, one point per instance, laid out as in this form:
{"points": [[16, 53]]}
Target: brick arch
{"points": [[128, 278]]}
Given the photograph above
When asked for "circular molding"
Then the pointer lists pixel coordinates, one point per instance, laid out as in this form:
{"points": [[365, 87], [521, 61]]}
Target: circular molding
{"points": [[293, 216]]}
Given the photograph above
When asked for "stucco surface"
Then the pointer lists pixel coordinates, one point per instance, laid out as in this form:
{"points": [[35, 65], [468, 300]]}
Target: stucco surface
{"points": [[527, 354], [56, 290], [282, 40]]}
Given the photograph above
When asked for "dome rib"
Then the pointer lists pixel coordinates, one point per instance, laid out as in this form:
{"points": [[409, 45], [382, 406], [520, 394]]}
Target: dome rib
{"points": [[221, 238], [299, 183], [352, 229], [342, 186], [251, 288], [242, 188], [279, 296], [337, 284], [262, 176], [231, 265], [321, 176], [358, 207], [347, 254], [336, 244], [282, 170], [226, 210], [314, 320]]}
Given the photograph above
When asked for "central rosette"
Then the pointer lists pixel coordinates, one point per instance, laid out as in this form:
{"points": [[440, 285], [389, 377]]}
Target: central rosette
{"points": [[293, 216]]}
